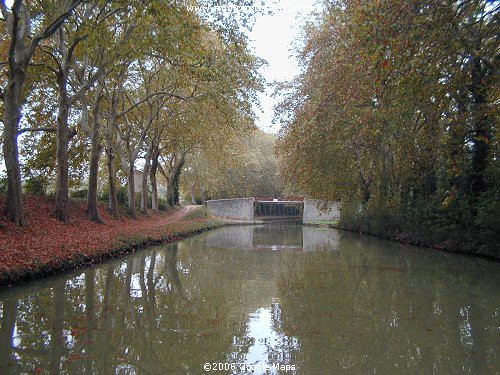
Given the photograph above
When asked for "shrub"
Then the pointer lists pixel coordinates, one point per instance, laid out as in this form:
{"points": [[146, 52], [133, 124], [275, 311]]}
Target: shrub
{"points": [[81, 193], [36, 185], [163, 204], [3, 185]]}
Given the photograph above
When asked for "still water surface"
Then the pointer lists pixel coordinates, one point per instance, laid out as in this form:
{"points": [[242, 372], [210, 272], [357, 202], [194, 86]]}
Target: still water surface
{"points": [[318, 300]]}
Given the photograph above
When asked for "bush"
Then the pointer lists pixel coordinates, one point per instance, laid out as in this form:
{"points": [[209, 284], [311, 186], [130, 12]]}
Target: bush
{"points": [[3, 185], [487, 223], [36, 185], [81, 194], [121, 195], [163, 204]]}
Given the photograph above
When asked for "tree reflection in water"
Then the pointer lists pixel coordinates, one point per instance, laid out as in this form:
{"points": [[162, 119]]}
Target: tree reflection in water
{"points": [[318, 299]]}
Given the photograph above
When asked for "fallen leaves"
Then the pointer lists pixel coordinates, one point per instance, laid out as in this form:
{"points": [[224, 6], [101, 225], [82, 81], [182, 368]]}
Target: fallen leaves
{"points": [[46, 243]]}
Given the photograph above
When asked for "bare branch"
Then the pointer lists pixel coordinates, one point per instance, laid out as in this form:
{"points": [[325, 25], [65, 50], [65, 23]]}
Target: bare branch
{"points": [[48, 129], [138, 103], [54, 26]]}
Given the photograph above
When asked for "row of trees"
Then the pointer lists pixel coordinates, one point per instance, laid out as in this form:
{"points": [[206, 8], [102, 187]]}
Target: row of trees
{"points": [[126, 79], [395, 114], [248, 168]]}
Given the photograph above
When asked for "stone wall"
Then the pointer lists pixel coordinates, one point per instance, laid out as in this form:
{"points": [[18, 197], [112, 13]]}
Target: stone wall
{"points": [[238, 208], [313, 211]]}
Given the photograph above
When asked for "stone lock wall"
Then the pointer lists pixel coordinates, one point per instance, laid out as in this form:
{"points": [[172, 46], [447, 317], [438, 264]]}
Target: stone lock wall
{"points": [[238, 208], [313, 211]]}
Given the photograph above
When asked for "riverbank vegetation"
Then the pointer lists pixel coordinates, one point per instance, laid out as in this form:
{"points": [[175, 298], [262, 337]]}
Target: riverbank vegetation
{"points": [[396, 115], [101, 96]]}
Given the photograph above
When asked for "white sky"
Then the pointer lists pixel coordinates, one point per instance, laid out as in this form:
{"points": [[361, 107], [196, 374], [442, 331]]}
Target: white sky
{"points": [[271, 39]]}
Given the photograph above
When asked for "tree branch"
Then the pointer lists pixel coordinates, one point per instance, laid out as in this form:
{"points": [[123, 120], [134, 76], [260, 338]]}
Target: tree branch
{"points": [[138, 103], [54, 26], [47, 129]]}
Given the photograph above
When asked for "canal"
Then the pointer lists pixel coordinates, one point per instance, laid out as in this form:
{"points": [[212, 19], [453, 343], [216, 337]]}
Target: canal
{"points": [[266, 299]]}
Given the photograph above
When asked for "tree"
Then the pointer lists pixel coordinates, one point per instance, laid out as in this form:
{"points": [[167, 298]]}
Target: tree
{"points": [[395, 98], [24, 37]]}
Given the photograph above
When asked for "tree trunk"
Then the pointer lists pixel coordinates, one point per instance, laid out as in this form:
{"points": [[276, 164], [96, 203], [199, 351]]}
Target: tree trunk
{"points": [[113, 200], [144, 189], [94, 169], [203, 194], [173, 181], [131, 189], [145, 174], [12, 115], [95, 153], [154, 184], [169, 192], [111, 156], [62, 192], [193, 195]]}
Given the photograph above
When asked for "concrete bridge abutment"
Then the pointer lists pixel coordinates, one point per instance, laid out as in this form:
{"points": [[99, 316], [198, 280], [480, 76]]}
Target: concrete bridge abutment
{"points": [[314, 211]]}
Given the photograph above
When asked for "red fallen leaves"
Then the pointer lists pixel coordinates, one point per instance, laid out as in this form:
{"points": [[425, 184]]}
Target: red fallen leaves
{"points": [[72, 358], [46, 241], [77, 331]]}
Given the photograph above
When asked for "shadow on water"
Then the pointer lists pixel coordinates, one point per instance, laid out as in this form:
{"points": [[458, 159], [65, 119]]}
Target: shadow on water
{"points": [[317, 299]]}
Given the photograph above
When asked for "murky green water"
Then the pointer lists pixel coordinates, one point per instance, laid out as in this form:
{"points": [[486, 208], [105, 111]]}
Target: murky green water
{"points": [[257, 298]]}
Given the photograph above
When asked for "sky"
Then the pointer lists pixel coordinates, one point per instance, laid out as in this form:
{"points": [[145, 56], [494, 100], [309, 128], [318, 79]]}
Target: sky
{"points": [[272, 39]]}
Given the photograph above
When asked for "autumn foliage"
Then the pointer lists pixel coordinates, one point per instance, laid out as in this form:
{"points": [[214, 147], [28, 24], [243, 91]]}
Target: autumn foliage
{"points": [[396, 115]]}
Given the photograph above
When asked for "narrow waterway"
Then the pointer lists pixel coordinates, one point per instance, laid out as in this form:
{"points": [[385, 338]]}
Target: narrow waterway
{"points": [[260, 298]]}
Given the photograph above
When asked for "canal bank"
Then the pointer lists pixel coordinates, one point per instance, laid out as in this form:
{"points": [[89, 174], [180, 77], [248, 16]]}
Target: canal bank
{"points": [[49, 247], [411, 239]]}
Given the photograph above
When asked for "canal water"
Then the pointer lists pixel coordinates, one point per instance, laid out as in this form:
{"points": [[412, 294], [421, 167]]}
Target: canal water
{"points": [[277, 299]]}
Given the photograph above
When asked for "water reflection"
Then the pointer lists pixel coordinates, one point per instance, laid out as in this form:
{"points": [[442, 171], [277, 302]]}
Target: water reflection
{"points": [[283, 235], [325, 302]]}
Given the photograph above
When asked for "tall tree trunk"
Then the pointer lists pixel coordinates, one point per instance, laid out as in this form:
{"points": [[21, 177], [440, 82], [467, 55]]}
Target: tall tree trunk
{"points": [[192, 191], [154, 184], [95, 153], [62, 191], [176, 181], [145, 175], [169, 192], [131, 189], [173, 180], [18, 60], [203, 194], [12, 115], [112, 198], [111, 157], [155, 155]]}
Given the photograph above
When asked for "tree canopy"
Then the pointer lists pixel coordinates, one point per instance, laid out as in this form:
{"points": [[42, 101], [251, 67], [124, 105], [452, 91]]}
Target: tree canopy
{"points": [[141, 83], [395, 114]]}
